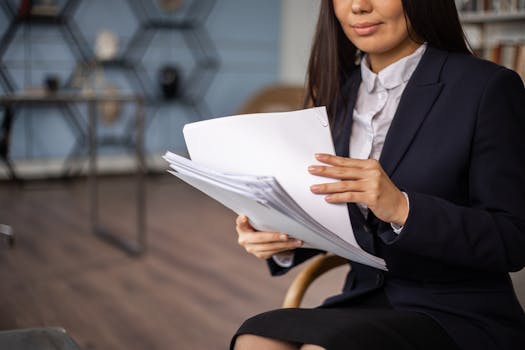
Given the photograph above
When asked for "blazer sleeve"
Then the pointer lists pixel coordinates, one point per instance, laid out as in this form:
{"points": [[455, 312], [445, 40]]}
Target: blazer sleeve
{"points": [[489, 233]]}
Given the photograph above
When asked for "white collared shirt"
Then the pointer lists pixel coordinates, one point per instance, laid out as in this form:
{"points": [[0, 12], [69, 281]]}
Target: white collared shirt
{"points": [[377, 101]]}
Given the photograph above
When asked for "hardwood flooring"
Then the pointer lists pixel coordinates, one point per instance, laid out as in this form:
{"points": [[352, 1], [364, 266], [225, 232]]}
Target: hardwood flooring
{"points": [[191, 290]]}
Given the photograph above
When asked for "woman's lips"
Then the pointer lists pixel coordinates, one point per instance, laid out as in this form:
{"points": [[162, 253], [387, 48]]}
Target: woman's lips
{"points": [[365, 28]]}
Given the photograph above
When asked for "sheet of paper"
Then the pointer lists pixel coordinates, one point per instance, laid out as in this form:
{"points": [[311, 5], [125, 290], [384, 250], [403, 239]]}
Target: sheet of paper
{"points": [[275, 144], [264, 189], [265, 217]]}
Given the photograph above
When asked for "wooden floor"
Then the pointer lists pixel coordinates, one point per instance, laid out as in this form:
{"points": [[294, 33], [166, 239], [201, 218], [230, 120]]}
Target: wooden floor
{"points": [[191, 290]]}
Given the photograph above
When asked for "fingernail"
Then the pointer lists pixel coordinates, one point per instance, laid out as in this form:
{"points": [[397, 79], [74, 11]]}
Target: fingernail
{"points": [[312, 168], [283, 237], [319, 155], [329, 198], [315, 188], [298, 243]]}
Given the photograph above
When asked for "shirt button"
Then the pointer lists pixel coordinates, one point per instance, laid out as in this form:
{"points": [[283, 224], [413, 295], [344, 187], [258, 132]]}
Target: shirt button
{"points": [[366, 228]]}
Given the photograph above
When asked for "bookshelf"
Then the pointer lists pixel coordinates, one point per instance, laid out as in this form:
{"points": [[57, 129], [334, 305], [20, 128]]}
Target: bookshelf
{"points": [[491, 17], [496, 30]]}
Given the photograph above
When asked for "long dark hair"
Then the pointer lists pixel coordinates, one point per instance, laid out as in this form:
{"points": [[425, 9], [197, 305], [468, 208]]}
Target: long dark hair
{"points": [[333, 56]]}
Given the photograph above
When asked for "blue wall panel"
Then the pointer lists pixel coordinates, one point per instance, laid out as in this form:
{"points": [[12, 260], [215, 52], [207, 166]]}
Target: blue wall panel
{"points": [[244, 32]]}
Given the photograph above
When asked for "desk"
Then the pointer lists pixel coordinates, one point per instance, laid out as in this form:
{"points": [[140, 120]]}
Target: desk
{"points": [[137, 246]]}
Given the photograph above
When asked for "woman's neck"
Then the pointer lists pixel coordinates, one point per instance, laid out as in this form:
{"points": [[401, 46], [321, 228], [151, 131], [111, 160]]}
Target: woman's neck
{"points": [[379, 61]]}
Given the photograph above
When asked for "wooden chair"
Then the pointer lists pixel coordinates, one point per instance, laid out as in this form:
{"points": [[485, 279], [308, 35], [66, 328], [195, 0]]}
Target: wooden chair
{"points": [[275, 98], [324, 263], [313, 270]]}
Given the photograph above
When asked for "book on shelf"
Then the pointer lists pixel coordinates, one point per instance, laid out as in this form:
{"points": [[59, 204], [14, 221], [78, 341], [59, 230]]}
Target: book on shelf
{"points": [[256, 165], [509, 54], [519, 62], [492, 5]]}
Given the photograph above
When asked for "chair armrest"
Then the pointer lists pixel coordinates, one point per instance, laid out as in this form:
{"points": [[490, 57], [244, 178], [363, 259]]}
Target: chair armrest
{"points": [[315, 268]]}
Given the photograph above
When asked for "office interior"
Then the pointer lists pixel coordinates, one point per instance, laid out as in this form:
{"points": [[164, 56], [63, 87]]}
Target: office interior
{"points": [[98, 240]]}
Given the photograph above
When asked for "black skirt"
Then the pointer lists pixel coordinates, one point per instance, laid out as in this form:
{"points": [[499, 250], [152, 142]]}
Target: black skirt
{"points": [[366, 323]]}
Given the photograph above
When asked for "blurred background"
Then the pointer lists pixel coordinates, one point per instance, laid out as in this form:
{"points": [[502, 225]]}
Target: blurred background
{"points": [[96, 237]]}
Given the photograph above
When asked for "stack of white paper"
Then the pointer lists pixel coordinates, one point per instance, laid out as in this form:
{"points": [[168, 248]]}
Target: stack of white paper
{"points": [[256, 165]]}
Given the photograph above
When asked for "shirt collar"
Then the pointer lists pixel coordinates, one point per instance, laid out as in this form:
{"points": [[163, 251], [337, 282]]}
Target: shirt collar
{"points": [[393, 75]]}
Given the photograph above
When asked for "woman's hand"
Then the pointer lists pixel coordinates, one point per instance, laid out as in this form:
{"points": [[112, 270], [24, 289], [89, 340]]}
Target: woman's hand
{"points": [[362, 181], [263, 244]]}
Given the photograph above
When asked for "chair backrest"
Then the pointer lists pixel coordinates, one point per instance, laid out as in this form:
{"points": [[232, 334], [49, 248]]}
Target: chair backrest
{"points": [[275, 98]]}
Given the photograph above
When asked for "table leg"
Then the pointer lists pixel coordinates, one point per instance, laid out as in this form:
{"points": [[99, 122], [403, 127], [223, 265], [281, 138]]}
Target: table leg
{"points": [[5, 141], [136, 247], [92, 172], [141, 193]]}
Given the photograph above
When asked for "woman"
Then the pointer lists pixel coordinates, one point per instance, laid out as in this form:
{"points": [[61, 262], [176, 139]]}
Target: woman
{"points": [[431, 162]]}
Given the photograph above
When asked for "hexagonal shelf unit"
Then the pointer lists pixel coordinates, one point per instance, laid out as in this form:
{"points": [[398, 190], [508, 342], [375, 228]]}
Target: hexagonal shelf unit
{"points": [[62, 19], [197, 62]]}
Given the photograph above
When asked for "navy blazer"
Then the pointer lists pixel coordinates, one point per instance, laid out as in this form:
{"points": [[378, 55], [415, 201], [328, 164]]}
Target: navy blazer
{"points": [[456, 147]]}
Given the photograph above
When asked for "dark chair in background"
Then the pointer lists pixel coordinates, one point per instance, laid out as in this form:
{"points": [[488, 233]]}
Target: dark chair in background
{"points": [[7, 234], [275, 98], [37, 339]]}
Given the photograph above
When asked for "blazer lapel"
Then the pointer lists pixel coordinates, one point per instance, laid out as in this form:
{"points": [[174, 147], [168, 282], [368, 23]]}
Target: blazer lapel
{"points": [[416, 102], [343, 128]]}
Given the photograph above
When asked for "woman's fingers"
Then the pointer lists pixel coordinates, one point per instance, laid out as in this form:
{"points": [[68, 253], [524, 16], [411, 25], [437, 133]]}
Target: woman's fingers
{"points": [[336, 160], [274, 247], [245, 228], [339, 186], [346, 162], [261, 237], [362, 181], [349, 197], [336, 172], [346, 168], [265, 251], [243, 223], [263, 244]]}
